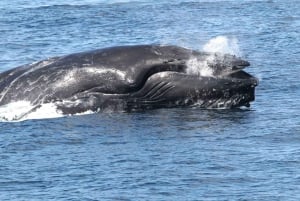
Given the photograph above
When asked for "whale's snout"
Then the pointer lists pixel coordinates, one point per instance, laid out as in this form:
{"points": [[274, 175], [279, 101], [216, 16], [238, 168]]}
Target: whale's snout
{"points": [[223, 65], [239, 64]]}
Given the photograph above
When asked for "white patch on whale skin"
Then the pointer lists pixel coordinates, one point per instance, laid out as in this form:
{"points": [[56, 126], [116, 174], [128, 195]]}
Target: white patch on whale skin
{"points": [[68, 79], [120, 74], [72, 76], [163, 74]]}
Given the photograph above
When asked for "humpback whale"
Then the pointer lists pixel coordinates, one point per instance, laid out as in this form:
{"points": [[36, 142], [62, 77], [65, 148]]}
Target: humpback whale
{"points": [[131, 78]]}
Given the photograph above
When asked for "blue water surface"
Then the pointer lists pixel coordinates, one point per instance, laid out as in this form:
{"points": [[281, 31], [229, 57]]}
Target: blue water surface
{"points": [[165, 154]]}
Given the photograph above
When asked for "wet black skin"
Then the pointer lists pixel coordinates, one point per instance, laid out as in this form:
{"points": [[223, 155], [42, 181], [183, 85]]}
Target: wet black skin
{"points": [[129, 78]]}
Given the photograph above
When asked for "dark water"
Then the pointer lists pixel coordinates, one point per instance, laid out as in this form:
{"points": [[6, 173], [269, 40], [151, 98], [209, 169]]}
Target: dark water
{"points": [[166, 154]]}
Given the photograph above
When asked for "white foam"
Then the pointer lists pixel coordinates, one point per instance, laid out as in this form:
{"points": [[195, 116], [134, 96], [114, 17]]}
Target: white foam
{"points": [[12, 111], [23, 110], [46, 111]]}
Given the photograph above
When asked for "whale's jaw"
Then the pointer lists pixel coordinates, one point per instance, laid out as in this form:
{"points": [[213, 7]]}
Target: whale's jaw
{"points": [[173, 89]]}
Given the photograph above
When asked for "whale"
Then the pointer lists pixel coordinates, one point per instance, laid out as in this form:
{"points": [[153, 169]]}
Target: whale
{"points": [[131, 78]]}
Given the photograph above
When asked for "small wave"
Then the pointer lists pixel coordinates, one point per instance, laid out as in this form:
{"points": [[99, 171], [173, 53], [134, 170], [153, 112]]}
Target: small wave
{"points": [[73, 3]]}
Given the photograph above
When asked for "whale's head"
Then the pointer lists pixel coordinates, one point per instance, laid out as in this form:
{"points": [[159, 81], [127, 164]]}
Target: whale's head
{"points": [[224, 64], [144, 77], [209, 80], [214, 64]]}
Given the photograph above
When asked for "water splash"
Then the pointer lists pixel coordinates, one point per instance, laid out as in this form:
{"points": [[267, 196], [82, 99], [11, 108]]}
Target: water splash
{"points": [[217, 46], [224, 45], [200, 68], [23, 110]]}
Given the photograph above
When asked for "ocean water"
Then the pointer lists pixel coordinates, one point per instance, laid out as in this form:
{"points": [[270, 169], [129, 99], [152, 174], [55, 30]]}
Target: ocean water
{"points": [[164, 154]]}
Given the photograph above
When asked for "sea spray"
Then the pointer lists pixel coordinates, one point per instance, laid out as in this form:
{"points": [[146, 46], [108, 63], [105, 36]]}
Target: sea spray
{"points": [[224, 45], [217, 46], [200, 68]]}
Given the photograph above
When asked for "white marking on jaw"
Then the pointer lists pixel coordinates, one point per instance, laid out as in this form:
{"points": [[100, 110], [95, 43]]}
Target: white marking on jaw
{"points": [[163, 74]]}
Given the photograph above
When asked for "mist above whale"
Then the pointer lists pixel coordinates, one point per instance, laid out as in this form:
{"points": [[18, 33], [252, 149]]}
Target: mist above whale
{"points": [[129, 78]]}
